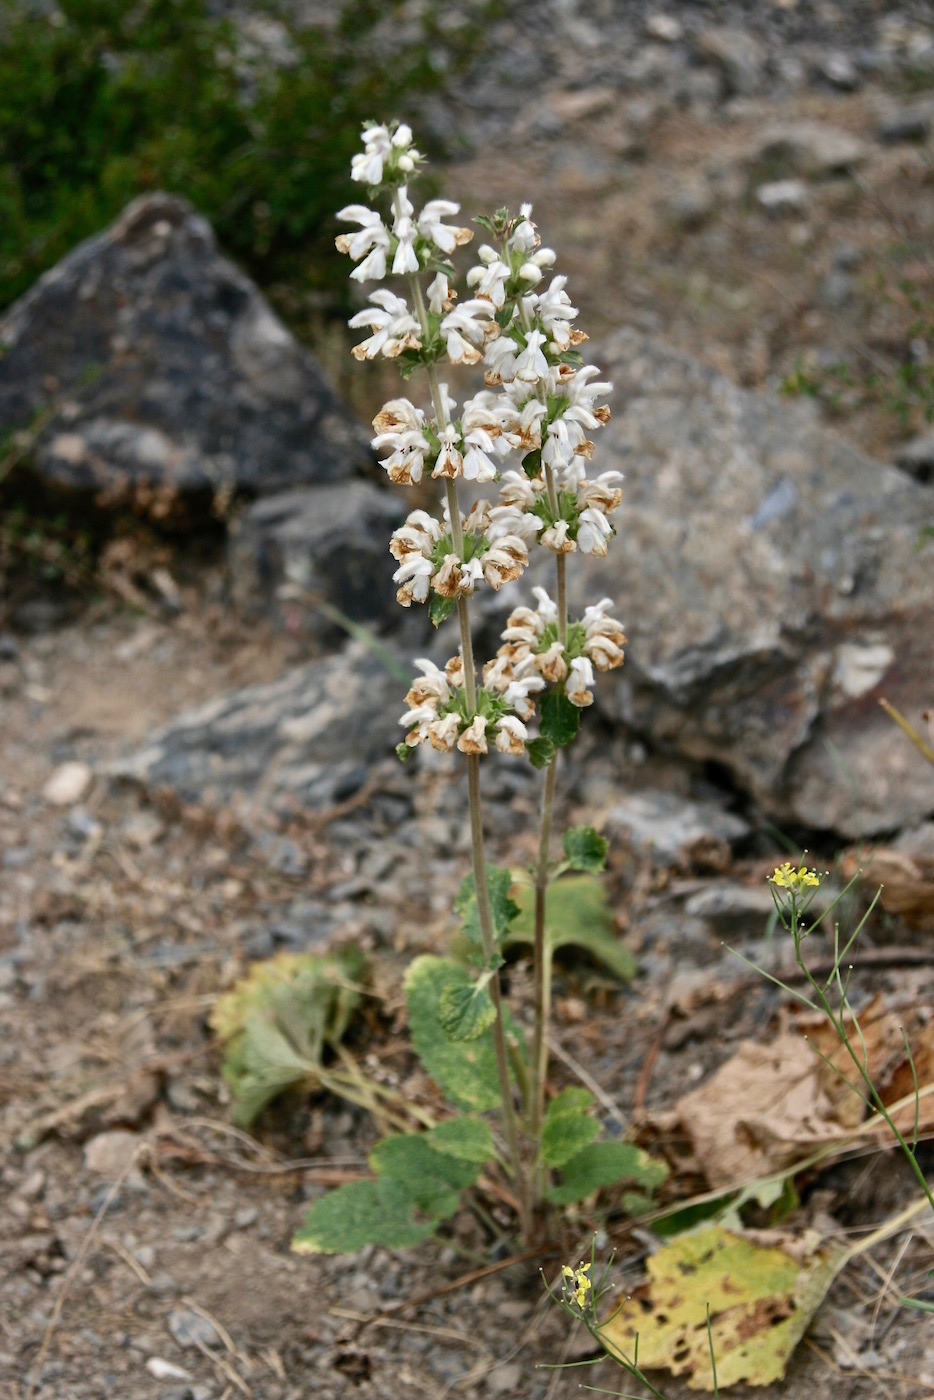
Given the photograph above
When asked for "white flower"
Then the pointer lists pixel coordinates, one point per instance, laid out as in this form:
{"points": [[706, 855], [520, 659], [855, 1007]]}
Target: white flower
{"points": [[370, 242], [604, 637], [580, 679], [593, 531], [395, 329], [368, 166], [414, 577], [490, 278], [405, 258], [449, 462], [432, 688], [511, 735], [447, 237], [399, 427], [556, 538], [556, 312], [504, 561], [473, 739], [465, 328], [517, 695], [439, 295], [602, 492], [580, 394], [531, 365]]}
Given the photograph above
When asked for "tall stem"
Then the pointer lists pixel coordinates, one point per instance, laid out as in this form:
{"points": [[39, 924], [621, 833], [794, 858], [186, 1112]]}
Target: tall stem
{"points": [[541, 974], [484, 912], [488, 936]]}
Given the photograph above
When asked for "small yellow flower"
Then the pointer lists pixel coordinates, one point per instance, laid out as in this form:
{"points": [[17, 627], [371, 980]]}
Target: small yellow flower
{"points": [[795, 881], [577, 1283]]}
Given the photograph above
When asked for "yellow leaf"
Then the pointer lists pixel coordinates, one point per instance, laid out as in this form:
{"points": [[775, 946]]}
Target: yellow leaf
{"points": [[761, 1300]]}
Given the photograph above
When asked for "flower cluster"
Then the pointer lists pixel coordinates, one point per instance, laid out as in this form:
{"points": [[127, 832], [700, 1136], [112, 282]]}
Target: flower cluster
{"points": [[796, 881], [531, 646], [439, 715], [526, 432], [576, 1284]]}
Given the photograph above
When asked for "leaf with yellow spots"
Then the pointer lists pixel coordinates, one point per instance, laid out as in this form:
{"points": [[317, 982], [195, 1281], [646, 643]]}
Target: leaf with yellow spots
{"points": [[761, 1296]]}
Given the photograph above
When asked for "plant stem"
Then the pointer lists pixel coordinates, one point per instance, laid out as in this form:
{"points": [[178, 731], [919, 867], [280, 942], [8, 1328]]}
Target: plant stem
{"points": [[485, 918], [484, 912], [541, 974]]}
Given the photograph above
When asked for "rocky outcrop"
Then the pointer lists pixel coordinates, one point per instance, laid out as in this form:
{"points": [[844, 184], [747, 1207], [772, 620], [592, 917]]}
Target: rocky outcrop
{"points": [[302, 742], [291, 551], [773, 591], [162, 381]]}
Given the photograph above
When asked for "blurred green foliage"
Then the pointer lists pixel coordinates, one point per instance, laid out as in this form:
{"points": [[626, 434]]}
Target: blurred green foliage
{"points": [[102, 100]]}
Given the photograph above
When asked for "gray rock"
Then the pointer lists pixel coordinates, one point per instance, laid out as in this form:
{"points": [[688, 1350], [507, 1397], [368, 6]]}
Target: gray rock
{"points": [[673, 829], [738, 56], [917, 457], [814, 150], [839, 70], [911, 123], [307, 740], [169, 383], [322, 542], [783, 196], [732, 908], [769, 578], [189, 1328]]}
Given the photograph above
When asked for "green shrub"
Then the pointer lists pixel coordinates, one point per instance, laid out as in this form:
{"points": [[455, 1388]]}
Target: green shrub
{"points": [[101, 101]]}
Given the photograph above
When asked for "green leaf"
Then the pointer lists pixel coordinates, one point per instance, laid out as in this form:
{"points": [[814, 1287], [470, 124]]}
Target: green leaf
{"points": [[559, 720], [411, 1157], [532, 464], [466, 1010], [440, 609], [468, 1139], [585, 849], [404, 752], [540, 752], [465, 1071], [502, 909], [576, 915], [568, 1128], [605, 1164], [383, 1212]]}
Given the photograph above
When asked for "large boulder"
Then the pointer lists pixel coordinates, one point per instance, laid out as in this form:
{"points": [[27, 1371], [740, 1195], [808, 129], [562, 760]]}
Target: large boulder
{"points": [[775, 584], [305, 741], [161, 380]]}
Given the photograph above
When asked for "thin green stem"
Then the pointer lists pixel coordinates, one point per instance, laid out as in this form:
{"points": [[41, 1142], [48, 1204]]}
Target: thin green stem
{"points": [[488, 937], [541, 970]]}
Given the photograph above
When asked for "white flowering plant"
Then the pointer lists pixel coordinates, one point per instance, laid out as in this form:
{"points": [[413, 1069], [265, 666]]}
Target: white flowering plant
{"points": [[524, 436]]}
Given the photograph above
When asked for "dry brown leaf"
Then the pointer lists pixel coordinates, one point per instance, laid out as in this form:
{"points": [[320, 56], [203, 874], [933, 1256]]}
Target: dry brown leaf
{"points": [[772, 1104]]}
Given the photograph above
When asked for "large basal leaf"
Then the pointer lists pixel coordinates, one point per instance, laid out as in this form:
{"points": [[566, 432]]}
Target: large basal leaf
{"points": [[468, 1139], [606, 1164], [761, 1301], [411, 1157], [386, 1211], [464, 1071], [569, 1127], [576, 914]]}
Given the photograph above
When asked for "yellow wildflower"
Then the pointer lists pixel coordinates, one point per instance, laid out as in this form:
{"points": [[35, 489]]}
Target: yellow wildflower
{"points": [[577, 1283], [795, 881]]}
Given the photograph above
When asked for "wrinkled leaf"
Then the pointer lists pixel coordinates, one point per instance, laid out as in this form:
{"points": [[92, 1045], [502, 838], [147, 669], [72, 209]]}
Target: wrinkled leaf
{"points": [[410, 1157], [606, 1164], [569, 1127], [559, 720], [502, 909], [466, 1009], [761, 1301], [576, 915], [585, 849], [440, 609], [386, 1211], [468, 1139], [540, 751], [464, 1071]]}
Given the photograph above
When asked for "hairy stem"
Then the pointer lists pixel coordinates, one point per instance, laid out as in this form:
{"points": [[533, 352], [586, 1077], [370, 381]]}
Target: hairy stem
{"points": [[485, 917], [541, 974]]}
